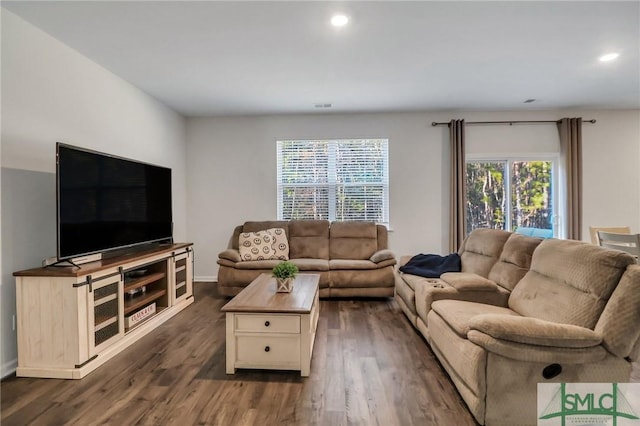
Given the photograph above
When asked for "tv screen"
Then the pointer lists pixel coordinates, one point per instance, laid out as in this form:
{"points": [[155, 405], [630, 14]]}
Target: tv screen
{"points": [[106, 202]]}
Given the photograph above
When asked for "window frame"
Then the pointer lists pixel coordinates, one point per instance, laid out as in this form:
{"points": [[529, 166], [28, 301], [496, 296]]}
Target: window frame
{"points": [[332, 177], [557, 194]]}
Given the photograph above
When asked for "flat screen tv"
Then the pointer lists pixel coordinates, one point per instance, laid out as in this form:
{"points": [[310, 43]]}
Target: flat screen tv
{"points": [[106, 202]]}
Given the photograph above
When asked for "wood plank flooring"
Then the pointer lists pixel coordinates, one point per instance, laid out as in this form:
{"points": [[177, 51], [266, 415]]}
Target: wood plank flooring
{"points": [[369, 367]]}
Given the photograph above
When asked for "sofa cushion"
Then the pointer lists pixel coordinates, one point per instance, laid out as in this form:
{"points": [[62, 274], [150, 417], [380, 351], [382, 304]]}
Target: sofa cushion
{"points": [[256, 245], [353, 240], [619, 323], [481, 250], [309, 239], [569, 282], [257, 264], [534, 331], [346, 264], [514, 261], [311, 264], [431, 290], [266, 224], [458, 313], [465, 281]]}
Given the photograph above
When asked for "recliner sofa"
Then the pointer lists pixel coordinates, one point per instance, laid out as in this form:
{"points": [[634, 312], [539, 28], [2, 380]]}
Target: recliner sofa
{"points": [[574, 316], [352, 257]]}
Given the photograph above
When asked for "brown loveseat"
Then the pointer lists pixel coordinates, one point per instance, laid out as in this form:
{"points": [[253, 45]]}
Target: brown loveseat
{"points": [[352, 258], [572, 317]]}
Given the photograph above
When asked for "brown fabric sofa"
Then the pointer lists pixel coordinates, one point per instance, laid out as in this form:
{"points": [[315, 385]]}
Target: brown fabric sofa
{"points": [[492, 262], [352, 258], [572, 317]]}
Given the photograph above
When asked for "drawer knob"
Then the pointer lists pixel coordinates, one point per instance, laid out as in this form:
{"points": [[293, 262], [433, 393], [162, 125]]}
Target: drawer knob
{"points": [[267, 348], [267, 323]]}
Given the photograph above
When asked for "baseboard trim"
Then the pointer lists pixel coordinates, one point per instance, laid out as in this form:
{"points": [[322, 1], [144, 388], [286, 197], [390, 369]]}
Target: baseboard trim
{"points": [[206, 278], [9, 368]]}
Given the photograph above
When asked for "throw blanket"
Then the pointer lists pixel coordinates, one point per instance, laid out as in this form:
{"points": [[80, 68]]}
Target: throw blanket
{"points": [[431, 265]]}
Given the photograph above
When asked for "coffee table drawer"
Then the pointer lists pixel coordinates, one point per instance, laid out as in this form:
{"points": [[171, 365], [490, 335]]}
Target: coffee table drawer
{"points": [[268, 351], [267, 323]]}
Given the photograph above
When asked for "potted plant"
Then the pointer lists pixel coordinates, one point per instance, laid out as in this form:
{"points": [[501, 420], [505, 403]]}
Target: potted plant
{"points": [[284, 273]]}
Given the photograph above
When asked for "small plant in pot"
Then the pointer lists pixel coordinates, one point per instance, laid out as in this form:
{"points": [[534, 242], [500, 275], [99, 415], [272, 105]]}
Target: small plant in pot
{"points": [[284, 273]]}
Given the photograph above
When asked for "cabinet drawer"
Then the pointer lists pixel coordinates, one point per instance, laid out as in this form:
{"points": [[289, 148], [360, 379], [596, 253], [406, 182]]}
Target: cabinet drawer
{"points": [[268, 351], [267, 323]]}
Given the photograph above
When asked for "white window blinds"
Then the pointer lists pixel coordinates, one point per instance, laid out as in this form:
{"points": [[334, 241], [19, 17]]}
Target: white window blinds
{"points": [[333, 179]]}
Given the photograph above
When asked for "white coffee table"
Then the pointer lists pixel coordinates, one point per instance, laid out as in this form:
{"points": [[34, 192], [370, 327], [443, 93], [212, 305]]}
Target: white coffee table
{"points": [[269, 330]]}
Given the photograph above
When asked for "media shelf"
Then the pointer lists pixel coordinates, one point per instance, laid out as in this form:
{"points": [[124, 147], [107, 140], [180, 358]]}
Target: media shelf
{"points": [[141, 301], [99, 304]]}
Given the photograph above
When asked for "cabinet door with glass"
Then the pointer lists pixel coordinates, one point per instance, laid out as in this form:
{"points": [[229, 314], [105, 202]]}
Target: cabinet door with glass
{"points": [[183, 272], [105, 308]]}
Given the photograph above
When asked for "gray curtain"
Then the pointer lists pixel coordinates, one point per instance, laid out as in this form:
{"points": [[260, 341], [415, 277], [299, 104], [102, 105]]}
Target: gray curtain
{"points": [[570, 130], [457, 203]]}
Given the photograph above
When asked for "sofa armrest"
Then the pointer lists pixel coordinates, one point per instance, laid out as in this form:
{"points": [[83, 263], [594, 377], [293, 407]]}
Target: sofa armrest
{"points": [[534, 331], [536, 353], [465, 281], [230, 254], [382, 255]]}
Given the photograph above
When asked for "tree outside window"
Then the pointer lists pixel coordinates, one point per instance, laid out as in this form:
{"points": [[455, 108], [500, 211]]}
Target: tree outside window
{"points": [[509, 194]]}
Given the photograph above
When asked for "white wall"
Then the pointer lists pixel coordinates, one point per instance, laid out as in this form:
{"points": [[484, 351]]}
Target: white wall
{"points": [[52, 93], [232, 169]]}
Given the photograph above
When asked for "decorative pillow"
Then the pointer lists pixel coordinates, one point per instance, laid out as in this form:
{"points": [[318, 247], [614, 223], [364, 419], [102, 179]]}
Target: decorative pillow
{"points": [[255, 245], [280, 244]]}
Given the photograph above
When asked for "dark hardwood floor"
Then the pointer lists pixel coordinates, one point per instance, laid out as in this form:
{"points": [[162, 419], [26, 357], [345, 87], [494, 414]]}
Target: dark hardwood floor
{"points": [[369, 367]]}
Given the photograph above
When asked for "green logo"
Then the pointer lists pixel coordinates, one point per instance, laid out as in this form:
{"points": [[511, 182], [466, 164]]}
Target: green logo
{"points": [[606, 404]]}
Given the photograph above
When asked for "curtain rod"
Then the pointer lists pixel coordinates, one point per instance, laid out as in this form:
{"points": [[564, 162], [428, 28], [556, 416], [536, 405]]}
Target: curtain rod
{"points": [[434, 123]]}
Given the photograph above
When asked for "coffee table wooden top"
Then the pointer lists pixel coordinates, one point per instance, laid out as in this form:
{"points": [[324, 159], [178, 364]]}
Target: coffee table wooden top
{"points": [[261, 296]]}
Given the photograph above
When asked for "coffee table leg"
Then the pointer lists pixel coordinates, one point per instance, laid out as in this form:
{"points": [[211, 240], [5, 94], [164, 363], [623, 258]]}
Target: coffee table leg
{"points": [[305, 345], [230, 343]]}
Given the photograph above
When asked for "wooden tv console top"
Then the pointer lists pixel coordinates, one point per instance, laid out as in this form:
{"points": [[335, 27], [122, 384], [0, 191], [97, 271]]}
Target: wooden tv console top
{"points": [[100, 265]]}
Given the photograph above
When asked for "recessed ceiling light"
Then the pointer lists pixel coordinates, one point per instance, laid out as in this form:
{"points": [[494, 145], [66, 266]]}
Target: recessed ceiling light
{"points": [[339, 20], [608, 57]]}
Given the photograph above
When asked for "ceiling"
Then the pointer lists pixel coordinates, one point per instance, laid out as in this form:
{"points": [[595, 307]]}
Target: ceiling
{"points": [[209, 58]]}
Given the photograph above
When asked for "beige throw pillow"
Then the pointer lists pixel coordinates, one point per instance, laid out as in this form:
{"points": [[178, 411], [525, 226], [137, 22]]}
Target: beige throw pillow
{"points": [[280, 244], [270, 244], [255, 245]]}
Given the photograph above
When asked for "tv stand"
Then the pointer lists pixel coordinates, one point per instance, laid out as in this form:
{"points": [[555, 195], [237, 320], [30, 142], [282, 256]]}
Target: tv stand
{"points": [[73, 319]]}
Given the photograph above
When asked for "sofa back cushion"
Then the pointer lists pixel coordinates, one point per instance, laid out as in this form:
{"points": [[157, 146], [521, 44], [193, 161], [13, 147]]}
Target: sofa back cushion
{"points": [[514, 261], [383, 242], [309, 239], [256, 227], [569, 282], [618, 324], [353, 240], [481, 250]]}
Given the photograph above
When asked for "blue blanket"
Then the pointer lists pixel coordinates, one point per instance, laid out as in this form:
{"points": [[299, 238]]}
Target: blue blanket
{"points": [[431, 265]]}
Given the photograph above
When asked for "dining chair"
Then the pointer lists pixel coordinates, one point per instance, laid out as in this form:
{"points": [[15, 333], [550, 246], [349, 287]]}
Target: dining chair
{"points": [[625, 242], [593, 230]]}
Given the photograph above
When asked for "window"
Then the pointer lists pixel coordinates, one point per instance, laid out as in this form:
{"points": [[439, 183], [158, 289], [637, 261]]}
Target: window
{"points": [[344, 179], [511, 193]]}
